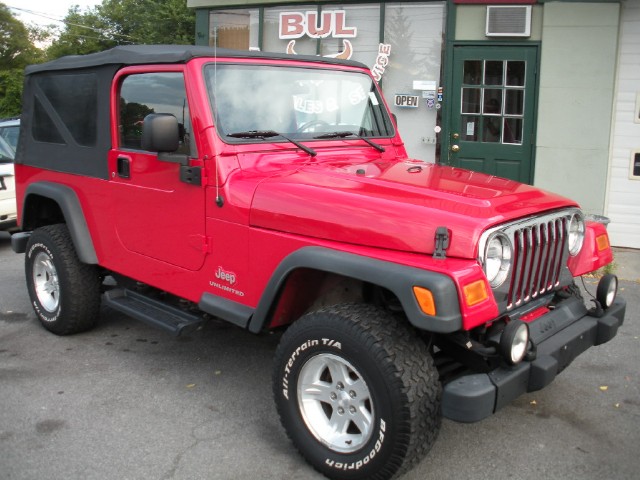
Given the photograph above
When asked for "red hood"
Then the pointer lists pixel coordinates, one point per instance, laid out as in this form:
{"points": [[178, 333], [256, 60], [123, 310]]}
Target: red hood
{"points": [[394, 205]]}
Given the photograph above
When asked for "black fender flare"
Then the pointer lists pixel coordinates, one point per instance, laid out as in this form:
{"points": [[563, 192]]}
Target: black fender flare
{"points": [[399, 279], [68, 201]]}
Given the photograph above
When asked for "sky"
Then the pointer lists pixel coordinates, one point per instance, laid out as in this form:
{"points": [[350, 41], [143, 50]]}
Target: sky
{"points": [[47, 10]]}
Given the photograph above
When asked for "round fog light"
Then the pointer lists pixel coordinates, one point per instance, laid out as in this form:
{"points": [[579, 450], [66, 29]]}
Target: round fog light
{"points": [[607, 290], [514, 341]]}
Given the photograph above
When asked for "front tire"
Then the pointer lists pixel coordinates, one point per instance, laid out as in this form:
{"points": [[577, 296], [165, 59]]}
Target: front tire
{"points": [[357, 392], [64, 292]]}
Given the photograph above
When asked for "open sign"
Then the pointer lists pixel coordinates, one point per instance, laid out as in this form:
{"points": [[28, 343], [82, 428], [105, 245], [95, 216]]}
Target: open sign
{"points": [[406, 101]]}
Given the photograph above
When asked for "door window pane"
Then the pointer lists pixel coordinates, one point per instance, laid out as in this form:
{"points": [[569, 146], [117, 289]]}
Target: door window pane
{"points": [[492, 103], [147, 93], [515, 73], [493, 72], [471, 100], [514, 102], [472, 72], [512, 131], [491, 127], [469, 128]]}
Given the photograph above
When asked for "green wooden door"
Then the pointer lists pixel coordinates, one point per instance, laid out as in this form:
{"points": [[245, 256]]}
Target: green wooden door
{"points": [[492, 118]]}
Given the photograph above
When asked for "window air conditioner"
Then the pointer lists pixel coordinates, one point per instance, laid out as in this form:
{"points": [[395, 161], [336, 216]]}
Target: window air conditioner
{"points": [[509, 21]]}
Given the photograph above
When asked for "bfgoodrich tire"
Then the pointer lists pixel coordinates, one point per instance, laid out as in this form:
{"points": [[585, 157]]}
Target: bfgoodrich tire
{"points": [[357, 392], [64, 292]]}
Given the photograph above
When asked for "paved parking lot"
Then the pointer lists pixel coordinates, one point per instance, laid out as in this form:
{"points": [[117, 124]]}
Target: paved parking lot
{"points": [[125, 401]]}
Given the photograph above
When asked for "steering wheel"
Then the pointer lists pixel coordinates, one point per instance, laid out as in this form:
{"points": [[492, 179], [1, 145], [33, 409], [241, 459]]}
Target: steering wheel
{"points": [[306, 126]]}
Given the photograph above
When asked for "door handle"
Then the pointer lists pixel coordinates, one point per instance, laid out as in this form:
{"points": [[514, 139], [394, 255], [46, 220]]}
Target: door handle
{"points": [[124, 167], [455, 148]]}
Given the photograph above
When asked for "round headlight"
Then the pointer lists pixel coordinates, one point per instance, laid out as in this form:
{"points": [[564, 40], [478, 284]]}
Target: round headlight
{"points": [[497, 259], [514, 341], [576, 233]]}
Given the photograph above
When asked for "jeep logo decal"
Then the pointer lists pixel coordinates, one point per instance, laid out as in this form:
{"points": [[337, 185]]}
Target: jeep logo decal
{"points": [[229, 277]]}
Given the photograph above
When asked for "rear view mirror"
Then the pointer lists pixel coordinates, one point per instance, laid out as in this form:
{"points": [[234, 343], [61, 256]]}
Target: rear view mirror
{"points": [[160, 133]]}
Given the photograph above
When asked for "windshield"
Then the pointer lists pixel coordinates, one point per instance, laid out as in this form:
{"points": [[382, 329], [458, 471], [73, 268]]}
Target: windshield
{"points": [[298, 102]]}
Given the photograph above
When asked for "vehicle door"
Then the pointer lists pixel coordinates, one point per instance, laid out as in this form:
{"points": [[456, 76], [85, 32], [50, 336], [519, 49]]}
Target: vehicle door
{"points": [[155, 213]]}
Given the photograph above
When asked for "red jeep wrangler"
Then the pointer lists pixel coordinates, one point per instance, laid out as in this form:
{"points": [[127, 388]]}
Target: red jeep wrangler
{"points": [[274, 191]]}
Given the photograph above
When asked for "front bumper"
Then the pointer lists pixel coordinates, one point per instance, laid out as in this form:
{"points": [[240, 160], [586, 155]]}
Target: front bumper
{"points": [[560, 336]]}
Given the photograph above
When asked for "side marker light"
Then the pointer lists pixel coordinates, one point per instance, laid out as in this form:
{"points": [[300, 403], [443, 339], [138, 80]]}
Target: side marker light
{"points": [[425, 300], [602, 241], [475, 292]]}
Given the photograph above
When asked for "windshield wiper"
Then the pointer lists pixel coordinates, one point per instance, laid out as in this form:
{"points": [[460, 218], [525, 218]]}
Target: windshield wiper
{"points": [[380, 148], [270, 134]]}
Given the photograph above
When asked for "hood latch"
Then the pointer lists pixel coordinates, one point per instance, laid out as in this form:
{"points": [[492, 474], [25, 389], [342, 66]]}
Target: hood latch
{"points": [[442, 243]]}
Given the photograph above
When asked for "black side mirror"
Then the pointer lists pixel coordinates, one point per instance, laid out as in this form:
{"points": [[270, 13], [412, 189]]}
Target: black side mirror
{"points": [[160, 133]]}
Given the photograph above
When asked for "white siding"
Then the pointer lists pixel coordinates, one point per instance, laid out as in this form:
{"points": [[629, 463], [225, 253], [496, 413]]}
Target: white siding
{"points": [[623, 203]]}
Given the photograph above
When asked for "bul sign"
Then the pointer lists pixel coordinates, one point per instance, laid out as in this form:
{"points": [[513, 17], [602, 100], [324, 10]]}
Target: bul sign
{"points": [[329, 23], [312, 24]]}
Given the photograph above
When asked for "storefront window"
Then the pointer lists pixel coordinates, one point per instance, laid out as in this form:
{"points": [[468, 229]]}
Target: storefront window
{"points": [[365, 20], [407, 65], [292, 35], [237, 29], [415, 33]]}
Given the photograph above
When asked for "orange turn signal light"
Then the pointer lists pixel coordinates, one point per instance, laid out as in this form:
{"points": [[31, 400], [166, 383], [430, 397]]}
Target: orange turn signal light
{"points": [[602, 241], [425, 300], [475, 292]]}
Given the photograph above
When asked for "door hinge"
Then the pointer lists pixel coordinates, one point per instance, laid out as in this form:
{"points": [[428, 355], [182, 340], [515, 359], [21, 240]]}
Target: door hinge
{"points": [[207, 247], [442, 242], [191, 175], [200, 243]]}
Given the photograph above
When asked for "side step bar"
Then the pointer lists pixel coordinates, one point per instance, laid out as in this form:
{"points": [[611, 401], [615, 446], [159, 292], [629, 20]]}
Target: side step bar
{"points": [[151, 311]]}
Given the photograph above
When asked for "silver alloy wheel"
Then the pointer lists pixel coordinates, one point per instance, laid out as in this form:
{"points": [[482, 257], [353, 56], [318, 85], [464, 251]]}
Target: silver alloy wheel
{"points": [[335, 403], [45, 280]]}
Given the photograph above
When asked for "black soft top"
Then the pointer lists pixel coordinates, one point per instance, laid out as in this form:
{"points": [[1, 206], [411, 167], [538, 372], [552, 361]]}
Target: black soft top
{"points": [[66, 122], [157, 54]]}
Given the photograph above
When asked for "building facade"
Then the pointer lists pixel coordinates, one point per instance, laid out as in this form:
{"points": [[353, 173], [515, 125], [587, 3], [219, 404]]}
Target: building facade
{"points": [[623, 192], [522, 89]]}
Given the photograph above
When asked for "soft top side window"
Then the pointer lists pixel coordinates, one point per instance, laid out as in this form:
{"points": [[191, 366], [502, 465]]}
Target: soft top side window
{"points": [[145, 93], [64, 109]]}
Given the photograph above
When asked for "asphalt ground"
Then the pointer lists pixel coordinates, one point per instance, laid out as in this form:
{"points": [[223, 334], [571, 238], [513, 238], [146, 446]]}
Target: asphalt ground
{"points": [[125, 401]]}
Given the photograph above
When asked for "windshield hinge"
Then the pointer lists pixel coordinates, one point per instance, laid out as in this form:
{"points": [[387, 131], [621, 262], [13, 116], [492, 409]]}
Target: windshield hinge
{"points": [[191, 175], [442, 242]]}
